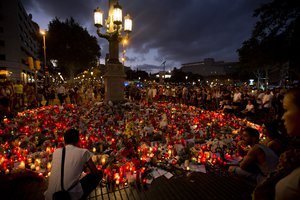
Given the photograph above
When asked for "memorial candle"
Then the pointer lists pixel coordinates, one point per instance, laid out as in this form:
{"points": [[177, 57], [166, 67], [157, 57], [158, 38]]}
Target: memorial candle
{"points": [[22, 165], [103, 161]]}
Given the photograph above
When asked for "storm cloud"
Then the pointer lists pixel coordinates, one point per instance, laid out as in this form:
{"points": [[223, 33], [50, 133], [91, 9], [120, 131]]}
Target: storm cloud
{"points": [[176, 31]]}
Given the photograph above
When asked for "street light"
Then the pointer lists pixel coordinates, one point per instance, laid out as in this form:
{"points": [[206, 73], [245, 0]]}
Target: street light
{"points": [[115, 76], [45, 57]]}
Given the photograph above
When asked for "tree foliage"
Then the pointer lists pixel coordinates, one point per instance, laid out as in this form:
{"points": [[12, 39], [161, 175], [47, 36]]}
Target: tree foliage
{"points": [[72, 47], [135, 75], [275, 40], [178, 76]]}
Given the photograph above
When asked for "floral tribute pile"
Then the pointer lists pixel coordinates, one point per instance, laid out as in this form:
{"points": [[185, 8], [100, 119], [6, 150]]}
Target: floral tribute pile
{"points": [[128, 139]]}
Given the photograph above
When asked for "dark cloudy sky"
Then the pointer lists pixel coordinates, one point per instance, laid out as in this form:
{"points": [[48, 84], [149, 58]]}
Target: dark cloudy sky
{"points": [[175, 31]]}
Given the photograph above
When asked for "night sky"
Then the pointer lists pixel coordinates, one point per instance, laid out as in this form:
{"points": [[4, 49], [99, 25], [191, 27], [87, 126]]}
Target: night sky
{"points": [[175, 31]]}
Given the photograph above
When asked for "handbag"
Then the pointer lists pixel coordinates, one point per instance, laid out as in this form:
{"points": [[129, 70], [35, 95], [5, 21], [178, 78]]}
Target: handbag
{"points": [[62, 194]]}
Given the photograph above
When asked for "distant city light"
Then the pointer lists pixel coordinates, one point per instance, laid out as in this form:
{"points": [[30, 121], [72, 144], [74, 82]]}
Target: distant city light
{"points": [[251, 82]]}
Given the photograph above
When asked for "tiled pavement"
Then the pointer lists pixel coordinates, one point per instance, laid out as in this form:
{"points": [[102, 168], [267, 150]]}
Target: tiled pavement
{"points": [[185, 187]]}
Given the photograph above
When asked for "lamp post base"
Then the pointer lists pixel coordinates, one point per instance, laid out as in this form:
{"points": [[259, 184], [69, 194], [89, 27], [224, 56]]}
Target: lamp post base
{"points": [[114, 83]]}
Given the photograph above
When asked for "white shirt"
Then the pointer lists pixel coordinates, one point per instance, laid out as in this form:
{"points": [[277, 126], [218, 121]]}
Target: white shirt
{"points": [[250, 108], [237, 97], [260, 97], [267, 97], [154, 92], [61, 90], [75, 158]]}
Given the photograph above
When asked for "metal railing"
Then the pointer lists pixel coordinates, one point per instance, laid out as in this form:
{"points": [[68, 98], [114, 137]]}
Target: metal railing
{"points": [[107, 192]]}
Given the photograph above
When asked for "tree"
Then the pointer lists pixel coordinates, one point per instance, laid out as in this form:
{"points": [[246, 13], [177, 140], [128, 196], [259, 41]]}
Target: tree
{"points": [[275, 40], [136, 75], [72, 47]]}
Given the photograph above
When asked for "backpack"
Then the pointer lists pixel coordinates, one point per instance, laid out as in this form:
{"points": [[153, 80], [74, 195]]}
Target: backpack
{"points": [[61, 195]]}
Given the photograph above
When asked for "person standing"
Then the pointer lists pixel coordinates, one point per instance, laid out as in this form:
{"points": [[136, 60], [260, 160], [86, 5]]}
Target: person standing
{"points": [[51, 92], [76, 159], [8, 91], [259, 104], [267, 104], [19, 91], [237, 99], [4, 109], [61, 92]]}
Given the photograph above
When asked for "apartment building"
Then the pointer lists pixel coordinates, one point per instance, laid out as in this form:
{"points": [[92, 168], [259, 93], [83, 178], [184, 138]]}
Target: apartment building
{"points": [[19, 39]]}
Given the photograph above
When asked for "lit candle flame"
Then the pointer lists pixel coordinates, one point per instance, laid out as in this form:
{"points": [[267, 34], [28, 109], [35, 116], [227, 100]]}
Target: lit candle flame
{"points": [[22, 165], [103, 161], [49, 166]]}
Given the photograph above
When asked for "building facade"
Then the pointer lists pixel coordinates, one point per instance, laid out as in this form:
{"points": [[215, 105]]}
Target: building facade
{"points": [[19, 39], [209, 67]]}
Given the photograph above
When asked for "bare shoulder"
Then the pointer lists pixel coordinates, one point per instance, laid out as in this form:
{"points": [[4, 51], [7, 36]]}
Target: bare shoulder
{"points": [[255, 151]]}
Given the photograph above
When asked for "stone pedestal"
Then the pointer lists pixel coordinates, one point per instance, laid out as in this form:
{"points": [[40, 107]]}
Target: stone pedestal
{"points": [[114, 83]]}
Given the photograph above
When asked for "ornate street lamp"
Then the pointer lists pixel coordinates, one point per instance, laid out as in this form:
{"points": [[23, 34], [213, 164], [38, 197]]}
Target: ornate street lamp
{"points": [[115, 75]]}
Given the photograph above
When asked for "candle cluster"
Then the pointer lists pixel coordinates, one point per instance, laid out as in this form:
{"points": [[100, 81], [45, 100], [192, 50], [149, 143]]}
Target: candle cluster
{"points": [[127, 139]]}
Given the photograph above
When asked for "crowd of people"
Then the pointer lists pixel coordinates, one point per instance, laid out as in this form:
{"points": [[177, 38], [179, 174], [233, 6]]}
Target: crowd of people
{"points": [[18, 96], [255, 104], [244, 101], [271, 162]]}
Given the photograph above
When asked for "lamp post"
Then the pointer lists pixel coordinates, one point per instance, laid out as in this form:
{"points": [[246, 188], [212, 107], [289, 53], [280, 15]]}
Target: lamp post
{"points": [[115, 75], [45, 56], [34, 66], [124, 43]]}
